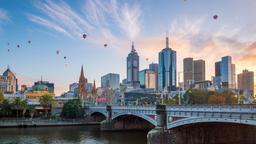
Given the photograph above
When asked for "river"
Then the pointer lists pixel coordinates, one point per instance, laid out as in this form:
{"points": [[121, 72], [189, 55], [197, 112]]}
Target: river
{"points": [[69, 135]]}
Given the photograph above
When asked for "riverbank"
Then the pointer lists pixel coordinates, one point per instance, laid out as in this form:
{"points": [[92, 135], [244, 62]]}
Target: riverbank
{"points": [[43, 123]]}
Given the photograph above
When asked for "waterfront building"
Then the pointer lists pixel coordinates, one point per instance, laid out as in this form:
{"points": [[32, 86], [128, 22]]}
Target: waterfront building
{"points": [[154, 67], [50, 86], [110, 80], [38, 90], [133, 69], [8, 82], [147, 79], [245, 82], [167, 68]]}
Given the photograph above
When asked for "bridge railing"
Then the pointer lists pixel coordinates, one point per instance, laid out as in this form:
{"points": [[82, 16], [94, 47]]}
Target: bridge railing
{"points": [[212, 108]]}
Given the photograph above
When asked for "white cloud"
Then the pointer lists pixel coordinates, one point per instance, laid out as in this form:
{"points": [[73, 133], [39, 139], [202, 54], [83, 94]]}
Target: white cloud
{"points": [[4, 15], [108, 19]]}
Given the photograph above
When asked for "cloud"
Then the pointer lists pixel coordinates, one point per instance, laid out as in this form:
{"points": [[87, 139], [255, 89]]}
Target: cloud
{"points": [[48, 24], [4, 15], [103, 21]]}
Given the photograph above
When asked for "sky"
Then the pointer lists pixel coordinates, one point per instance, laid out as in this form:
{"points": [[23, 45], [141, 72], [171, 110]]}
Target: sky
{"points": [[59, 25]]}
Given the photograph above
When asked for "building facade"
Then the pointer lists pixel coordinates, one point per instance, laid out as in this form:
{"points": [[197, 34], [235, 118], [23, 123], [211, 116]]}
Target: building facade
{"points": [[188, 70], [147, 79], [133, 69], [110, 80], [245, 81], [8, 82], [154, 67], [82, 93], [226, 71], [167, 68], [199, 70]]}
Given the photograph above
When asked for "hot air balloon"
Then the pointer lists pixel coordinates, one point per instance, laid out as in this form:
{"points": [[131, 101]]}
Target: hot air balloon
{"points": [[18, 46], [105, 45], [29, 41], [8, 43], [84, 36], [147, 59], [57, 52], [65, 57], [215, 17], [8, 50]]}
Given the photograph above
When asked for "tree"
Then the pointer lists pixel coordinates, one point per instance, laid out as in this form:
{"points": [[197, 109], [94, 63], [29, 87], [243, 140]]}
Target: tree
{"points": [[6, 107], [1, 96], [216, 99], [72, 109], [16, 105], [47, 102], [24, 106]]}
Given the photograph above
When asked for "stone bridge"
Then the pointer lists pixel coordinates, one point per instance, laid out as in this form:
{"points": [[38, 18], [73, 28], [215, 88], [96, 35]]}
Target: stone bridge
{"points": [[165, 118]]}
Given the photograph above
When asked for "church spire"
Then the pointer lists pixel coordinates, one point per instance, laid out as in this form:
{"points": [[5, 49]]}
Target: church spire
{"points": [[82, 72]]}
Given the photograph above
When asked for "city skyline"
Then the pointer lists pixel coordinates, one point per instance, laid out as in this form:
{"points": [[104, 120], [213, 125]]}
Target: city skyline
{"points": [[191, 34]]}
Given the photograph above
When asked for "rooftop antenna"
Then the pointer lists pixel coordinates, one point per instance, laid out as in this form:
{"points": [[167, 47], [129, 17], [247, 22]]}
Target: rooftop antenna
{"points": [[167, 39]]}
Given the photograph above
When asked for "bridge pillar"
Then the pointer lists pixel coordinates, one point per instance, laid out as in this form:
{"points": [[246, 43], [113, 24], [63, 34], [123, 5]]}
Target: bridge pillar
{"points": [[107, 124], [159, 135]]}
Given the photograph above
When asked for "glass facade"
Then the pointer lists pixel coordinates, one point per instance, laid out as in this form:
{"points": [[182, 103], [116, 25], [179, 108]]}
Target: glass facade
{"points": [[167, 69], [110, 80]]}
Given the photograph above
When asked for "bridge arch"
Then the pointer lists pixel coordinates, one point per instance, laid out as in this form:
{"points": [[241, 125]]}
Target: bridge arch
{"points": [[198, 120], [143, 116]]}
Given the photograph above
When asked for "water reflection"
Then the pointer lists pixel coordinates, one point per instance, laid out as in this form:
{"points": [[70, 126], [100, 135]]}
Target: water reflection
{"points": [[69, 135]]}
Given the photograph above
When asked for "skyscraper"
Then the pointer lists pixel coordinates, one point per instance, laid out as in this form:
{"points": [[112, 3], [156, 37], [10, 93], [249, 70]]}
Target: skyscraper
{"points": [[199, 70], [188, 69], [154, 67], [133, 69], [225, 73], [167, 68], [82, 93], [110, 80], [245, 82]]}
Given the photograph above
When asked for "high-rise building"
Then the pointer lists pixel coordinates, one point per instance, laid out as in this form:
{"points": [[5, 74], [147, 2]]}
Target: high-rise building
{"points": [[154, 67], [82, 93], [188, 70], [8, 82], [133, 69], [110, 80], [147, 79], [199, 70], [245, 82], [194, 71], [167, 68], [225, 73], [217, 68]]}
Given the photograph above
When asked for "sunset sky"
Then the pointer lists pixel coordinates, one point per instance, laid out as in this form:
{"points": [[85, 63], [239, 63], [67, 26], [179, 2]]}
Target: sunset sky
{"points": [[59, 25]]}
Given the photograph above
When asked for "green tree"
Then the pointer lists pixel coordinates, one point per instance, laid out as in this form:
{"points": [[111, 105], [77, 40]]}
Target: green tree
{"points": [[195, 96], [24, 106], [6, 107], [47, 102], [1, 96], [72, 109], [17, 105]]}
